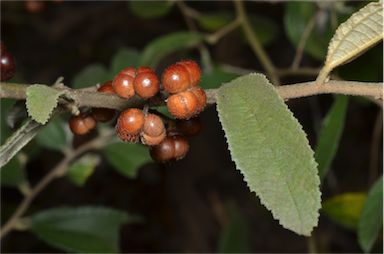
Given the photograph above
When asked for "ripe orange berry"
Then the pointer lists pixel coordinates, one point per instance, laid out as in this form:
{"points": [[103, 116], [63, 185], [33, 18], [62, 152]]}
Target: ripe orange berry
{"points": [[194, 71], [81, 124], [146, 84], [201, 98], [106, 87], [152, 140], [130, 71], [176, 78], [143, 69], [153, 130], [123, 85], [182, 105], [129, 124]]}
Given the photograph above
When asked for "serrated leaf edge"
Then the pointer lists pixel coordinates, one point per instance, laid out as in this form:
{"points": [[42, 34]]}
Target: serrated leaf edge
{"points": [[262, 201]]}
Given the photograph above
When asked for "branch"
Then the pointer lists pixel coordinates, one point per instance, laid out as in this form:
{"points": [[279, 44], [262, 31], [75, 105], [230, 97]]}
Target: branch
{"points": [[255, 43], [56, 172], [101, 100]]}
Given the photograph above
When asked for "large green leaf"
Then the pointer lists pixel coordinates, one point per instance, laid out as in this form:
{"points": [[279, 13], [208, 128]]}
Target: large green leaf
{"points": [[127, 158], [371, 220], [234, 237], [124, 58], [296, 18], [150, 9], [270, 148], [167, 44], [345, 209], [52, 135], [330, 134], [83, 229], [91, 75], [41, 101]]}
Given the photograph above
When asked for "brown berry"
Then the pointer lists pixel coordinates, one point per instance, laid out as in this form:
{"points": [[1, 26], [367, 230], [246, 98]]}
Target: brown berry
{"points": [[164, 151], [143, 69], [181, 147], [7, 65], [176, 78], [201, 98], [34, 6], [189, 127], [183, 105], [130, 71], [106, 87], [123, 85], [129, 124], [81, 124], [104, 114], [193, 70], [146, 84], [153, 125], [152, 140]]}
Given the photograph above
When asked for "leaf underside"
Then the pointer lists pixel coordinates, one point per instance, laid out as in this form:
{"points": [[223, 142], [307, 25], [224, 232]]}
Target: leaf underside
{"points": [[270, 148]]}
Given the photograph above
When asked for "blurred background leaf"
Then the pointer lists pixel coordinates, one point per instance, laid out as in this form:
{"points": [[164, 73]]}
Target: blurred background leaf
{"points": [[81, 169], [123, 58], [91, 75], [216, 78], [150, 9], [12, 174], [52, 136]]}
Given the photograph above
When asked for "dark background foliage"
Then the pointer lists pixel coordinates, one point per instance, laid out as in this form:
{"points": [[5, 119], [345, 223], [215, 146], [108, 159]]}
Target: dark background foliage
{"points": [[187, 204]]}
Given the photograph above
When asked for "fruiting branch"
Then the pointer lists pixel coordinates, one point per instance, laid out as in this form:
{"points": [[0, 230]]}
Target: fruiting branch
{"points": [[102, 100]]}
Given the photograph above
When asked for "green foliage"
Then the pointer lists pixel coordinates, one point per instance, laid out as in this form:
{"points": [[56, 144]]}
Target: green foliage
{"points": [[371, 220], [216, 78], [270, 148], [215, 20], [80, 170], [234, 238], [167, 44], [12, 174], [52, 136], [264, 28], [345, 209], [330, 134], [83, 229], [296, 18], [124, 58], [91, 75], [41, 101], [150, 9], [127, 158]]}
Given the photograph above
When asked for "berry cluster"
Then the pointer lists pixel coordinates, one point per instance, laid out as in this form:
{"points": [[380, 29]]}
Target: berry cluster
{"points": [[186, 100], [7, 63], [181, 81]]}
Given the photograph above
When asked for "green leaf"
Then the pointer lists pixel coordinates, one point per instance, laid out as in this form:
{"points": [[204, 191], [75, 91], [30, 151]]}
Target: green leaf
{"points": [[215, 20], [296, 18], [12, 174], [41, 101], [216, 78], [371, 220], [330, 134], [270, 148], [167, 44], [150, 9], [345, 209], [91, 75], [264, 28], [83, 229], [124, 58], [127, 158], [80, 170], [235, 235], [52, 136]]}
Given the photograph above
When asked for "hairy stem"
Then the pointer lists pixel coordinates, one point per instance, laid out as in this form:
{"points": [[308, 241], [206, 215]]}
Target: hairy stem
{"points": [[58, 171], [255, 43]]}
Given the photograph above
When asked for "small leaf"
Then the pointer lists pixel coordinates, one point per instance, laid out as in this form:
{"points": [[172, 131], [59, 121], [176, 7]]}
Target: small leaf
{"points": [[150, 9], [52, 135], [91, 75], [124, 58], [215, 20], [330, 134], [270, 148], [127, 158], [167, 44], [80, 170], [216, 78], [12, 174], [345, 209], [360, 32], [41, 101], [83, 229], [371, 220], [235, 235]]}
